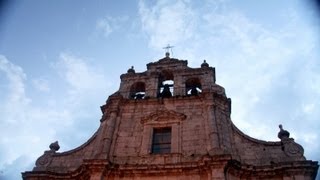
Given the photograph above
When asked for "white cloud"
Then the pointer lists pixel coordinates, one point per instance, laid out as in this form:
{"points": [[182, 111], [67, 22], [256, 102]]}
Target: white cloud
{"points": [[168, 22], [36, 126], [260, 64], [14, 113], [15, 76], [109, 24], [32, 125], [308, 108], [105, 26], [84, 80], [10, 171]]}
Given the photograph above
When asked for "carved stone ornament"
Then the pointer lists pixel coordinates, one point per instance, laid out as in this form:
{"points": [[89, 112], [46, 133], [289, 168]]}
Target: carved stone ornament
{"points": [[45, 159], [292, 148], [164, 115]]}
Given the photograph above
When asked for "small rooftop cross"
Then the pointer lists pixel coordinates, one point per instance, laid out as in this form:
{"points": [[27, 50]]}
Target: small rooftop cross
{"points": [[168, 47], [167, 50]]}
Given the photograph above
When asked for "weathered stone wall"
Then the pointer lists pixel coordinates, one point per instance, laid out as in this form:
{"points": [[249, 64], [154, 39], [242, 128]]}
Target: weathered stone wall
{"points": [[191, 136]]}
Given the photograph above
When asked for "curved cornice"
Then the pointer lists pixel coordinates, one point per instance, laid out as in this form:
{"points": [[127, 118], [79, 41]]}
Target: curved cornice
{"points": [[268, 143], [80, 147]]}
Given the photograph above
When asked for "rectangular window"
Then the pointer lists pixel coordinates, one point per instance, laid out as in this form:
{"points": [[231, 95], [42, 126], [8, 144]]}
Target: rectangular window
{"points": [[161, 142]]}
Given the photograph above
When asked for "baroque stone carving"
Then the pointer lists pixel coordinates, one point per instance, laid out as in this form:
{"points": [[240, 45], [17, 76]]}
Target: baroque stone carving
{"points": [[289, 147], [292, 148], [163, 115], [46, 158]]}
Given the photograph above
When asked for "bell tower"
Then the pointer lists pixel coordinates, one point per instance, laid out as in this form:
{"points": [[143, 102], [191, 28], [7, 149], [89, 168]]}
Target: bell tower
{"points": [[167, 77]]}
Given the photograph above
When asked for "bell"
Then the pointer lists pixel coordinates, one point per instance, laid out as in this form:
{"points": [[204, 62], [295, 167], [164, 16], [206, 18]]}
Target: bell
{"points": [[166, 91]]}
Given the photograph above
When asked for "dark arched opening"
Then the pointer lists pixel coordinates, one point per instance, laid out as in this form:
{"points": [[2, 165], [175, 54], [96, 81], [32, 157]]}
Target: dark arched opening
{"points": [[138, 90], [193, 87]]}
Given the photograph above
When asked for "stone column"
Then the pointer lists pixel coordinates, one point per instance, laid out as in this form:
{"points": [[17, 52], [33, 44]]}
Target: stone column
{"points": [[108, 132], [179, 86], [175, 135], [212, 129], [146, 140], [152, 86]]}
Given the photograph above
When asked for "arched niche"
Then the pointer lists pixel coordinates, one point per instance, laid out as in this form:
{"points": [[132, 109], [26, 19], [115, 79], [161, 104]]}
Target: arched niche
{"points": [[166, 84], [137, 90], [193, 87]]}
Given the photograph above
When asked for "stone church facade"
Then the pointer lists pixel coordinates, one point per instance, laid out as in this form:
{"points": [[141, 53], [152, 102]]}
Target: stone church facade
{"points": [[173, 122]]}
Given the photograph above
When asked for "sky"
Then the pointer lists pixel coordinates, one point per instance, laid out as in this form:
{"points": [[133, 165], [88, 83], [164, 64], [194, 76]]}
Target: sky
{"points": [[60, 60]]}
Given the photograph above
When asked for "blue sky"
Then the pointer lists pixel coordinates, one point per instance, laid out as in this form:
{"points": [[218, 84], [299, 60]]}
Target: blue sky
{"points": [[60, 60]]}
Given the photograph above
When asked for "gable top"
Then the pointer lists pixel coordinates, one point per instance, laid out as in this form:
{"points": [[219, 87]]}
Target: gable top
{"points": [[169, 63]]}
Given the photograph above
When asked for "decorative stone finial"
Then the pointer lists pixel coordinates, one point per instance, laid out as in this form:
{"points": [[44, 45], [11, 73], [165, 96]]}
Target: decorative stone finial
{"points": [[204, 64], [131, 70], [290, 148], [54, 146], [167, 54], [283, 133]]}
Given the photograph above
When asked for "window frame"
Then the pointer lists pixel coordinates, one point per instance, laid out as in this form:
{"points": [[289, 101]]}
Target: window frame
{"points": [[161, 140], [161, 119]]}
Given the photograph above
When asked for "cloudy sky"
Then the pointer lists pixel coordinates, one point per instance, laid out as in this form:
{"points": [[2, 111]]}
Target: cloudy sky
{"points": [[60, 60]]}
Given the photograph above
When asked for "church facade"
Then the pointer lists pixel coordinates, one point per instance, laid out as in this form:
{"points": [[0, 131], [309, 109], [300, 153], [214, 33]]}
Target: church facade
{"points": [[173, 122]]}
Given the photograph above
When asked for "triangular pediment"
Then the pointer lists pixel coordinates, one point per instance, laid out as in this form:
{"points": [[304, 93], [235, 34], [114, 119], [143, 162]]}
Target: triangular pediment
{"points": [[163, 116]]}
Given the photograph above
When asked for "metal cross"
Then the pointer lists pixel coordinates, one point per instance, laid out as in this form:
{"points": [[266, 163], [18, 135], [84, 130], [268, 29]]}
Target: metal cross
{"points": [[168, 47]]}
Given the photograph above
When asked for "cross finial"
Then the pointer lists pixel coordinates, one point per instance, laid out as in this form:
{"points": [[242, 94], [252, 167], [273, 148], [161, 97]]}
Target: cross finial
{"points": [[167, 49]]}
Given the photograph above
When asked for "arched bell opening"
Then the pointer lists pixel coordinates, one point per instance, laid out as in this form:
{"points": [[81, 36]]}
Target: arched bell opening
{"points": [[193, 87], [166, 84], [138, 91]]}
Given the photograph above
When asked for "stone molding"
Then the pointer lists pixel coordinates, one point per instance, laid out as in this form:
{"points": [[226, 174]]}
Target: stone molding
{"points": [[167, 116], [281, 170]]}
